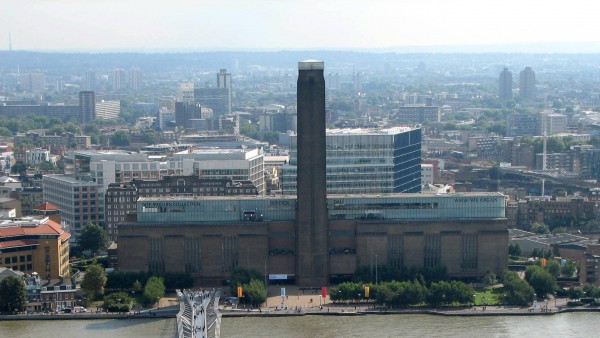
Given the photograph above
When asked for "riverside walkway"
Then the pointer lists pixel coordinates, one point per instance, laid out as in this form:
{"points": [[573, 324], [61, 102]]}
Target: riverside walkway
{"points": [[199, 314]]}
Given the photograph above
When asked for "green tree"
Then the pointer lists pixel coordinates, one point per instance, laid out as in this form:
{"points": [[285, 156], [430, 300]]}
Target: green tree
{"points": [[569, 268], [514, 250], [93, 237], [5, 132], [154, 289], [241, 276], [517, 291], [120, 138], [137, 286], [13, 296], [541, 280], [118, 302], [255, 292], [540, 228], [47, 167], [94, 281], [553, 267], [489, 279], [18, 168]]}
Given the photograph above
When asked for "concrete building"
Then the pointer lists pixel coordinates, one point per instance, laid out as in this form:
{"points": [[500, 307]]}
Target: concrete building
{"points": [[34, 245], [118, 80], [426, 174], [411, 114], [89, 83], [523, 125], [135, 78], [186, 111], [87, 106], [234, 164], [365, 161], [33, 82], [527, 83], [215, 98], [505, 85], [108, 109]]}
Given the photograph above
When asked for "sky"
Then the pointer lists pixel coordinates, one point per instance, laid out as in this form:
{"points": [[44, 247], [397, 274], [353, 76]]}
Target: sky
{"points": [[198, 25]]}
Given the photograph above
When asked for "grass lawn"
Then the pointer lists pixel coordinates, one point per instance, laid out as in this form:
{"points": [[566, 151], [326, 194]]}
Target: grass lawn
{"points": [[488, 296]]}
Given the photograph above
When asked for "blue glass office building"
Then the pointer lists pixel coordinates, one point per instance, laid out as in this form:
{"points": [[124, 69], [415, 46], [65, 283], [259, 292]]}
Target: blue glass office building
{"points": [[366, 161]]}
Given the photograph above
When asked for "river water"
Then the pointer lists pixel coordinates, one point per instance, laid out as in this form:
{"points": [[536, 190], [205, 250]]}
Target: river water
{"points": [[562, 325]]}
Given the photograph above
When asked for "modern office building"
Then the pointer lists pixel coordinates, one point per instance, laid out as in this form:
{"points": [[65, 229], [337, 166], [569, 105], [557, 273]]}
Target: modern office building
{"points": [[505, 85], [234, 164], [87, 106], [527, 83], [78, 199], [32, 245], [365, 161], [186, 111], [215, 98]]}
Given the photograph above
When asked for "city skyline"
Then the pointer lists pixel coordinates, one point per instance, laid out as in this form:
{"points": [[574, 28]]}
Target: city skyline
{"points": [[69, 25]]}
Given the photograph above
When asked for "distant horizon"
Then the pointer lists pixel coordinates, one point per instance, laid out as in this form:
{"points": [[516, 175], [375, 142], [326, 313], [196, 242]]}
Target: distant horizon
{"points": [[591, 47]]}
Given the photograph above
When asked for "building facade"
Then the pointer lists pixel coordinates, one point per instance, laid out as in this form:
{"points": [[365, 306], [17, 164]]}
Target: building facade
{"points": [[210, 236], [505, 85], [365, 161], [35, 245]]}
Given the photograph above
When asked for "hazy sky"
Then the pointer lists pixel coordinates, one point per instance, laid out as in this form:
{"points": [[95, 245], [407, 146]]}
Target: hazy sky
{"points": [[291, 24]]}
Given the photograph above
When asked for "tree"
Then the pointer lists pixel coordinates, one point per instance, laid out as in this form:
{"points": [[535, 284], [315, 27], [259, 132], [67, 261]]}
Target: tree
{"points": [[120, 138], [517, 291], [514, 250], [93, 237], [13, 296], [94, 281], [541, 280], [154, 289], [118, 302], [568, 269], [540, 228], [489, 279], [553, 267], [137, 286], [18, 167], [255, 292], [240, 276]]}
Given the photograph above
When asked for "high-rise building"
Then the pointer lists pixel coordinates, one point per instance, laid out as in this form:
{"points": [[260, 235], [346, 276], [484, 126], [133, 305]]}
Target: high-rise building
{"points": [[87, 106], [527, 83], [135, 76], [108, 109], [223, 79], [365, 161], [312, 258], [90, 80], [118, 79], [33, 82], [505, 85], [186, 111]]}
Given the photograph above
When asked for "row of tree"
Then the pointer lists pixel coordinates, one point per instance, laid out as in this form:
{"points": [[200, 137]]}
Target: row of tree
{"points": [[405, 293]]}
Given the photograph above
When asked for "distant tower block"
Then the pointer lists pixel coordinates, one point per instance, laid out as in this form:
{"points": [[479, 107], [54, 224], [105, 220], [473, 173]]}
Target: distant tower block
{"points": [[312, 259]]}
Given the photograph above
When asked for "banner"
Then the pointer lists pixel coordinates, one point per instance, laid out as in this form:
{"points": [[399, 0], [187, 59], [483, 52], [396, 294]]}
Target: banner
{"points": [[239, 292], [367, 291], [324, 292], [282, 292]]}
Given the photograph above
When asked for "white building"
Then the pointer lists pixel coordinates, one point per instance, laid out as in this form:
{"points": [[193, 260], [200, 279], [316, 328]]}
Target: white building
{"points": [[108, 109], [39, 155], [237, 164], [426, 174]]}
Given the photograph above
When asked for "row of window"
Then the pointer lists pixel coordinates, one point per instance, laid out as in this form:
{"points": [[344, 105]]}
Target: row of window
{"points": [[15, 259]]}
